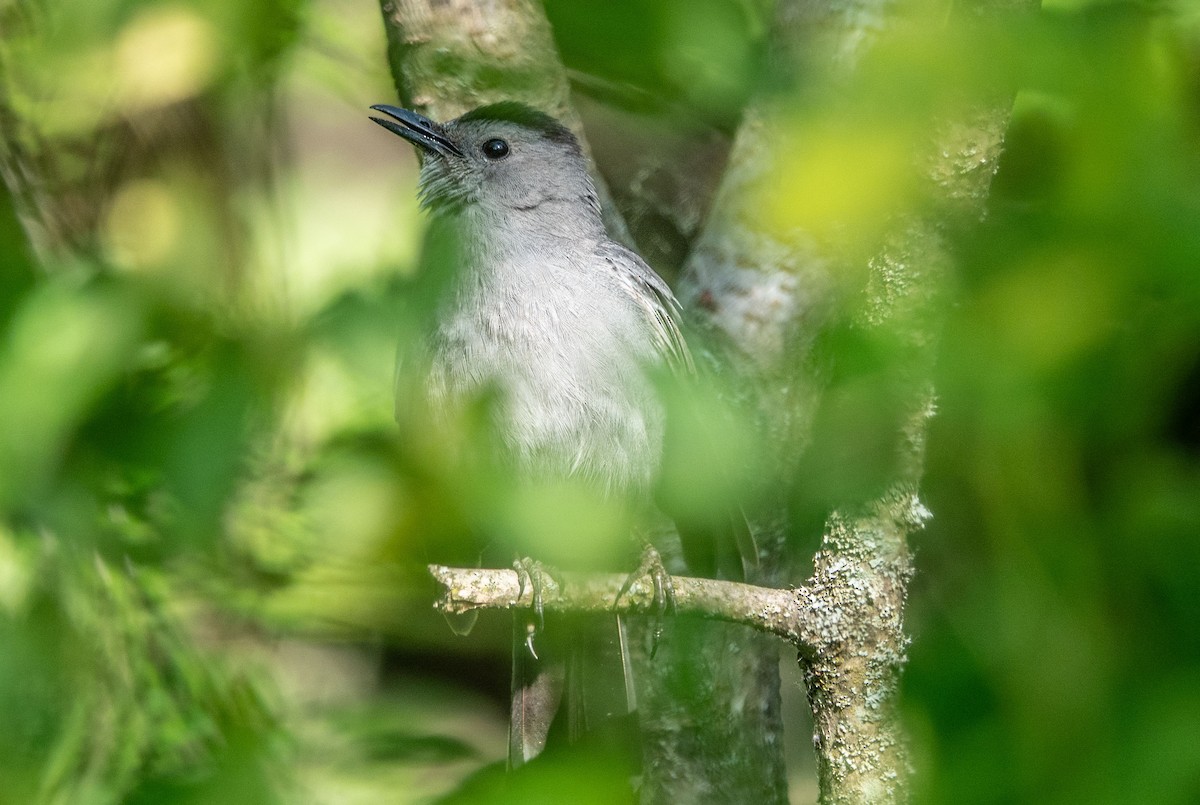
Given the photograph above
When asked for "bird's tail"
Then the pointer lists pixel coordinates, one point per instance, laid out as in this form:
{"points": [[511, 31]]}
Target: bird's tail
{"points": [[576, 680]]}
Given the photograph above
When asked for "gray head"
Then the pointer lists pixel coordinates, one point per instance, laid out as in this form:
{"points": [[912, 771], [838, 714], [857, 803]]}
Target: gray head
{"points": [[499, 158]]}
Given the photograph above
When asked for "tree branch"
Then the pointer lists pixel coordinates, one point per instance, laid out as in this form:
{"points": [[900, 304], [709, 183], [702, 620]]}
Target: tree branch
{"points": [[825, 613], [783, 613]]}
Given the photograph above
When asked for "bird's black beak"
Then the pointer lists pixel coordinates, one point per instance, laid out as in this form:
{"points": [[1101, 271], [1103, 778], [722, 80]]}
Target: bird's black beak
{"points": [[417, 129]]}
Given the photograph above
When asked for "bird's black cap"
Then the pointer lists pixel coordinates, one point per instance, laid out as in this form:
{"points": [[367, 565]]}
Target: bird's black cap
{"points": [[522, 115]]}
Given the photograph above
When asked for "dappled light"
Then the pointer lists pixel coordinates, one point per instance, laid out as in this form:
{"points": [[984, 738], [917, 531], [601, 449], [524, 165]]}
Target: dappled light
{"points": [[219, 492]]}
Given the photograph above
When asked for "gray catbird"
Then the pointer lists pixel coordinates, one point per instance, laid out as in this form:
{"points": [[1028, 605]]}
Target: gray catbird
{"points": [[565, 323], [562, 324]]}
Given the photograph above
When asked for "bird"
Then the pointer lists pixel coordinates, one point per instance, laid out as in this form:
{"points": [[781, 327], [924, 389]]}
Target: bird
{"points": [[562, 329]]}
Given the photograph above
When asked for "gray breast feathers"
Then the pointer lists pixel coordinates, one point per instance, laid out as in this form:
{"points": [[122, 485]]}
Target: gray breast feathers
{"points": [[568, 347]]}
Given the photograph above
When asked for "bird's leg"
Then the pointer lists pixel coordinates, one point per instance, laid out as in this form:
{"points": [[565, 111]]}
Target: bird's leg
{"points": [[532, 575], [652, 566]]}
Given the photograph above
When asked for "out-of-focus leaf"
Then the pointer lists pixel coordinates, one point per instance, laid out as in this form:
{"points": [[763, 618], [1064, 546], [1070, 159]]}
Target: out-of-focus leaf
{"points": [[64, 348]]}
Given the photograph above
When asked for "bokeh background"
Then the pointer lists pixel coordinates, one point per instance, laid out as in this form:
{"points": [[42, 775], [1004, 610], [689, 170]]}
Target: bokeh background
{"points": [[213, 533]]}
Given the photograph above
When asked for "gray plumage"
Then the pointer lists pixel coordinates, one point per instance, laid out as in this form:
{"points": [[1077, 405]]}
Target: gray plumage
{"points": [[564, 324], [560, 325]]}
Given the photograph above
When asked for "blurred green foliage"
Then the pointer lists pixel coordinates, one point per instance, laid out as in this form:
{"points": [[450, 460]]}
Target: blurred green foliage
{"points": [[212, 532], [1055, 657], [705, 56]]}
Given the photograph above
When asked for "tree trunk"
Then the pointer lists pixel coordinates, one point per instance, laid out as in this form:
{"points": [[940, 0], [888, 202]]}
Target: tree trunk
{"points": [[778, 294]]}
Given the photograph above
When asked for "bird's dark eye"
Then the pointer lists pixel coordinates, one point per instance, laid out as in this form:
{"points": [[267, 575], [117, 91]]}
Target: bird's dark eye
{"points": [[495, 149]]}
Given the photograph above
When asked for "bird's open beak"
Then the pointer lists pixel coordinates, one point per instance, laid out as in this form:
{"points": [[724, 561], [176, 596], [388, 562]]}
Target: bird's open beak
{"points": [[417, 129]]}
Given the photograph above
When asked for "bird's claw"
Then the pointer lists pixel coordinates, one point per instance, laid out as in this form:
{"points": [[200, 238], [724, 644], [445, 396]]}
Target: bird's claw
{"points": [[532, 576], [530, 631], [652, 566]]}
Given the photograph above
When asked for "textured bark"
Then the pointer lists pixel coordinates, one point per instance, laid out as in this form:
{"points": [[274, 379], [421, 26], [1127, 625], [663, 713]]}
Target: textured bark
{"points": [[450, 56], [773, 295]]}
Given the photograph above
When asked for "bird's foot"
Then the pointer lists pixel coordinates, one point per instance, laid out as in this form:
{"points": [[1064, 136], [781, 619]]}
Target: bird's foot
{"points": [[532, 575], [652, 567]]}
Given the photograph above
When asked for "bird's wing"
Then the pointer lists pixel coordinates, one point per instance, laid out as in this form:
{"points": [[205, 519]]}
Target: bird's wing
{"points": [[656, 299], [662, 310]]}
